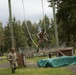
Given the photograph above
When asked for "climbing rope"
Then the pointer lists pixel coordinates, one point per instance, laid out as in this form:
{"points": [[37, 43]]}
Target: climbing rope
{"points": [[27, 26]]}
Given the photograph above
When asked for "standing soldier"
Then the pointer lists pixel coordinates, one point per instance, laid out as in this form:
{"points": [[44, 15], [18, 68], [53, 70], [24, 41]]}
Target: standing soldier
{"points": [[12, 57], [42, 37]]}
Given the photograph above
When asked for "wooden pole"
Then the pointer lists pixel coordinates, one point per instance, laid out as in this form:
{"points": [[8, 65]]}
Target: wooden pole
{"points": [[10, 22], [55, 24]]}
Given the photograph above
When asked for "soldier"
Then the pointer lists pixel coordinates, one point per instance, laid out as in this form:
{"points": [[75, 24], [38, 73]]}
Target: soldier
{"points": [[12, 57], [42, 36]]}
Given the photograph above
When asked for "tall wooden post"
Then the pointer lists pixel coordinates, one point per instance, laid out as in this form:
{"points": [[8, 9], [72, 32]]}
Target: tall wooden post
{"points": [[55, 24], [10, 22]]}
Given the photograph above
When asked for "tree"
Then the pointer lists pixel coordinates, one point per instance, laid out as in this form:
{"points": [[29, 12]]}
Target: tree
{"points": [[66, 18], [7, 35], [19, 36], [1, 39]]}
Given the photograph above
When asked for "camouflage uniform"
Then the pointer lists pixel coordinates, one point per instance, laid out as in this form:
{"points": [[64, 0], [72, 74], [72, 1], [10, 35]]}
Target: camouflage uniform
{"points": [[42, 36], [12, 57]]}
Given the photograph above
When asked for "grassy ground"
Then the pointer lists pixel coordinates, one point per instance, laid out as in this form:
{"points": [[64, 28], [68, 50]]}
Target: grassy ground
{"points": [[35, 59], [37, 71], [4, 59]]}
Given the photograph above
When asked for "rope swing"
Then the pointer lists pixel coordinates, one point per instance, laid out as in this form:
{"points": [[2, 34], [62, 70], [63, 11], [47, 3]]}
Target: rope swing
{"points": [[27, 26]]}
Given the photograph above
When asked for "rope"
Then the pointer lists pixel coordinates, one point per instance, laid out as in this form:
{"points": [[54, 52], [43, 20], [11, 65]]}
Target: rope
{"points": [[43, 14], [27, 26]]}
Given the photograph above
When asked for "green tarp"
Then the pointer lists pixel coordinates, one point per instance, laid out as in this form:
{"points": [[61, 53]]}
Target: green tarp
{"points": [[57, 61]]}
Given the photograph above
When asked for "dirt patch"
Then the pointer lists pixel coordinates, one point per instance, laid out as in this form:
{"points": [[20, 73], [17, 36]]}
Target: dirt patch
{"points": [[72, 68]]}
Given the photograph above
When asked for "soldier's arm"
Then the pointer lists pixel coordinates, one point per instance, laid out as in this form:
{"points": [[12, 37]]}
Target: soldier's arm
{"points": [[16, 57], [9, 57], [38, 34]]}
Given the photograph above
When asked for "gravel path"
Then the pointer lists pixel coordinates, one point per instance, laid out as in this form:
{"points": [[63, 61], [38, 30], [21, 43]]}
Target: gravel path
{"points": [[34, 65], [28, 65], [5, 65]]}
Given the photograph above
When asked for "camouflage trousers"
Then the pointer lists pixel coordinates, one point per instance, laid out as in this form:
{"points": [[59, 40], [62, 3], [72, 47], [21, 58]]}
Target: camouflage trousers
{"points": [[44, 40], [13, 66]]}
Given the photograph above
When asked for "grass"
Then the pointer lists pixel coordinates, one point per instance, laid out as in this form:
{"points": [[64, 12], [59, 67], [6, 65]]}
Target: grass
{"points": [[37, 71], [35, 59], [4, 59]]}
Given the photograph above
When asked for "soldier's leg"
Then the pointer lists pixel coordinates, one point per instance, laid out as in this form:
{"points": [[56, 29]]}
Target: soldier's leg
{"points": [[46, 42], [39, 44], [12, 66], [15, 66]]}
